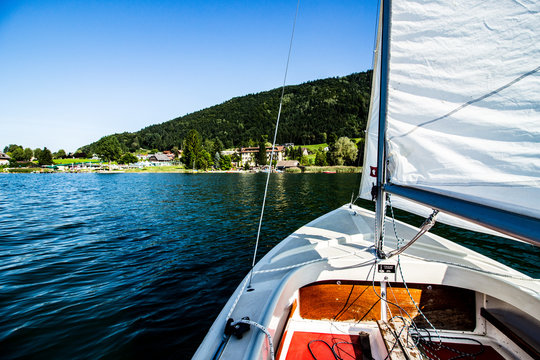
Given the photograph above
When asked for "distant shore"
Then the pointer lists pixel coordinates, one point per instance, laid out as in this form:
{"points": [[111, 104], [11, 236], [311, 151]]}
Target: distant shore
{"points": [[177, 169]]}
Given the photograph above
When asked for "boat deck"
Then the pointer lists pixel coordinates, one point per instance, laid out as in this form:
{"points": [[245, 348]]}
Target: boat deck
{"points": [[335, 252]]}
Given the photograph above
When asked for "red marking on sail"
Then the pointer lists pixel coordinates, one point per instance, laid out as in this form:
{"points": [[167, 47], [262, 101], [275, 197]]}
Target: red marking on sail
{"points": [[373, 171]]}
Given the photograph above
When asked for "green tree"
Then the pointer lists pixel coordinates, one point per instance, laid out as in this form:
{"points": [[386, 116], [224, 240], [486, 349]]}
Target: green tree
{"points": [[79, 154], [37, 152], [320, 158], [304, 160], [208, 145], [135, 145], [298, 153], [11, 147], [28, 154], [218, 146], [17, 154], [128, 158], [45, 157], [343, 152], [108, 148], [332, 138], [60, 154], [225, 162], [236, 157], [192, 149], [261, 156], [204, 160], [360, 145], [217, 160], [151, 140]]}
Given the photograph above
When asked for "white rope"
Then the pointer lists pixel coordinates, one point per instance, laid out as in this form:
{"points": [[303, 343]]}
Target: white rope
{"points": [[236, 300], [264, 330], [274, 142]]}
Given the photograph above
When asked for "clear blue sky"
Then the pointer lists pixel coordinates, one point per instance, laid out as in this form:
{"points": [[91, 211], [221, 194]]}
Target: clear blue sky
{"points": [[74, 71]]}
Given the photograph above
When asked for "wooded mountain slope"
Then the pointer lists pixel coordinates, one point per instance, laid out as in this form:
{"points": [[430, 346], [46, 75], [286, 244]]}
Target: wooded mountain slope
{"points": [[311, 111]]}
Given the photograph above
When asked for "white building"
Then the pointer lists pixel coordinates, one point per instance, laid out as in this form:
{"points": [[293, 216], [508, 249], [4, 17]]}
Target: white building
{"points": [[248, 155], [159, 159], [4, 159]]}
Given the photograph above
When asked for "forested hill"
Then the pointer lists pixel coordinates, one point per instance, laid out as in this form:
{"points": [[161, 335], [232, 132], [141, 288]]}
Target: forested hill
{"points": [[311, 111]]}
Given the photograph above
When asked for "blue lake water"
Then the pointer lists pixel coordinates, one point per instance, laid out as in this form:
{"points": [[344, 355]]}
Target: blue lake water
{"points": [[130, 266]]}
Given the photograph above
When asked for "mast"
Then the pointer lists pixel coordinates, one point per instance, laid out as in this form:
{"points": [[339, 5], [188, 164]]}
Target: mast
{"points": [[380, 205]]}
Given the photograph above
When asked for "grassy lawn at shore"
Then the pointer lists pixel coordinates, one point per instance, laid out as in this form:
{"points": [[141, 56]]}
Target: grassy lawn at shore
{"points": [[322, 169], [73, 161], [180, 169], [159, 169]]}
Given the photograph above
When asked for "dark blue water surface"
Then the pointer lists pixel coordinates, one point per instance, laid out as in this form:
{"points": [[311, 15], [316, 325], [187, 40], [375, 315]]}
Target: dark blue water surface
{"points": [[130, 266]]}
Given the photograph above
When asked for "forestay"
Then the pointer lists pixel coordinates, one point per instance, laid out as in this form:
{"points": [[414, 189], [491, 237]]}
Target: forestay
{"points": [[463, 111]]}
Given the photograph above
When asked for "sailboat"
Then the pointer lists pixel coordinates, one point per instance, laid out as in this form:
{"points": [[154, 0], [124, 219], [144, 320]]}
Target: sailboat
{"points": [[453, 135]]}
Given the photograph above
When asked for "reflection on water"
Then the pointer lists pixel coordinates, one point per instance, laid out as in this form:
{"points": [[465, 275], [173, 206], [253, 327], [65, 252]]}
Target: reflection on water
{"points": [[138, 265]]}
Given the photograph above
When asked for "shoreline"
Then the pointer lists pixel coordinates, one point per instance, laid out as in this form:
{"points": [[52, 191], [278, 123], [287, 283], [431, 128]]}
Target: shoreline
{"points": [[168, 170]]}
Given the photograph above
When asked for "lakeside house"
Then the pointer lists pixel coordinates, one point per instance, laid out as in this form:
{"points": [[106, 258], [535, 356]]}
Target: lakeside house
{"points": [[78, 166], [248, 155], [169, 154], [284, 164], [4, 159], [159, 159]]}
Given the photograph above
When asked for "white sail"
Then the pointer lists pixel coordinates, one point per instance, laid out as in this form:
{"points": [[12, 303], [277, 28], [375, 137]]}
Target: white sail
{"points": [[463, 118], [369, 175], [464, 101]]}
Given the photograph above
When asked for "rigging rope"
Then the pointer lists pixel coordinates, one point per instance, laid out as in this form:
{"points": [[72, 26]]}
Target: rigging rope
{"points": [[273, 145], [414, 302], [429, 347], [244, 283]]}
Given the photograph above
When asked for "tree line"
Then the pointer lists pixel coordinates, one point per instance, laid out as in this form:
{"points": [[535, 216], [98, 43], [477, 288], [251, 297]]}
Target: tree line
{"points": [[197, 153], [341, 151], [18, 154]]}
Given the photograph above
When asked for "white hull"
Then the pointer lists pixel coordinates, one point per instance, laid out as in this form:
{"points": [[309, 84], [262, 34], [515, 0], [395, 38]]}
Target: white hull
{"points": [[338, 247]]}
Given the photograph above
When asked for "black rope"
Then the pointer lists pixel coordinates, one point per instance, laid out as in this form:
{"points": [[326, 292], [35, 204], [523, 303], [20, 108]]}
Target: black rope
{"points": [[325, 343], [346, 308], [335, 353], [425, 347]]}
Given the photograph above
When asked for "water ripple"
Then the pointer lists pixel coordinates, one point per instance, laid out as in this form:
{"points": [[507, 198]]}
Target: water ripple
{"points": [[138, 265]]}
